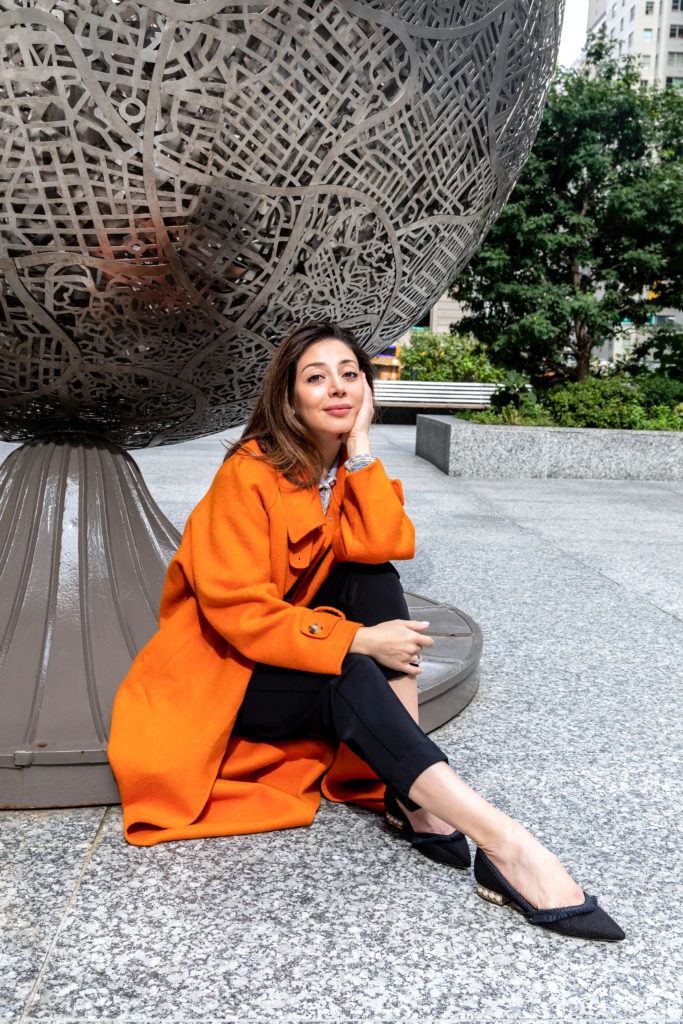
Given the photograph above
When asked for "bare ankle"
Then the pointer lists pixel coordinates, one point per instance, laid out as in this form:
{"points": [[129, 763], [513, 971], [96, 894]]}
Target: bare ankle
{"points": [[501, 841]]}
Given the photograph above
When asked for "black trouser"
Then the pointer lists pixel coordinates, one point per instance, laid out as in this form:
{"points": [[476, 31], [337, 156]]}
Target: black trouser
{"points": [[358, 706]]}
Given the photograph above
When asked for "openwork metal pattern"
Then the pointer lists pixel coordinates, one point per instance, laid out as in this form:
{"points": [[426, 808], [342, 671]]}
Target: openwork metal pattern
{"points": [[184, 182]]}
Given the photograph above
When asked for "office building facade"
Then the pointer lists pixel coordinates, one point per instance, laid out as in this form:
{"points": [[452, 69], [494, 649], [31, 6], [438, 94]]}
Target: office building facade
{"points": [[650, 29]]}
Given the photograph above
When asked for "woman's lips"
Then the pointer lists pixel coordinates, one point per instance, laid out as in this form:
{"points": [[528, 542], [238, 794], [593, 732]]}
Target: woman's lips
{"points": [[339, 410]]}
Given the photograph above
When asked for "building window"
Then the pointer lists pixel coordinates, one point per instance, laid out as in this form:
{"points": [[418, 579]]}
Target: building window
{"points": [[677, 5], [644, 83], [674, 60], [630, 40], [614, 10], [675, 31], [621, 25], [676, 82], [650, 7], [647, 35], [633, 13], [645, 60]]}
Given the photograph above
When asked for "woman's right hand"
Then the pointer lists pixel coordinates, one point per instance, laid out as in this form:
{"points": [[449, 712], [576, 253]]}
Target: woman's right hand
{"points": [[394, 644]]}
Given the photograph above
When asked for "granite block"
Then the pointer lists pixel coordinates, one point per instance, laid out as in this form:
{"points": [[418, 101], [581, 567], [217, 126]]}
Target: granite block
{"points": [[41, 856], [461, 448], [343, 921], [630, 532]]}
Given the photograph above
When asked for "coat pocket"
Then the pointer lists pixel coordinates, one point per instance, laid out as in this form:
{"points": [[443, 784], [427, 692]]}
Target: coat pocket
{"points": [[301, 552]]}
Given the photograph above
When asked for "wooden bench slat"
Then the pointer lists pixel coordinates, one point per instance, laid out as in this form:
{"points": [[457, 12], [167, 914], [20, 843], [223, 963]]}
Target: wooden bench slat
{"points": [[434, 394]]}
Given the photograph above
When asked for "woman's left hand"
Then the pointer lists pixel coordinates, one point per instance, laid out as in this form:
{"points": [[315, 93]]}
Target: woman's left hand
{"points": [[357, 440]]}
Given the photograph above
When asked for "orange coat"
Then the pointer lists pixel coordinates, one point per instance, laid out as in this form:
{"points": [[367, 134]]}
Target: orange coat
{"points": [[180, 772]]}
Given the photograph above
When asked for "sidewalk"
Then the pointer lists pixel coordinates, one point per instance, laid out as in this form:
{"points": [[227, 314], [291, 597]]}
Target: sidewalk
{"points": [[575, 729]]}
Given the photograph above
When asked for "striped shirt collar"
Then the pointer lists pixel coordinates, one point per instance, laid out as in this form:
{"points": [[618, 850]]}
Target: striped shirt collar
{"points": [[328, 482]]}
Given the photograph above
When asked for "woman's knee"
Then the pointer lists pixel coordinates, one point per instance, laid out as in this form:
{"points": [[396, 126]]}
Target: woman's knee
{"points": [[370, 570], [359, 666], [373, 593], [360, 677]]}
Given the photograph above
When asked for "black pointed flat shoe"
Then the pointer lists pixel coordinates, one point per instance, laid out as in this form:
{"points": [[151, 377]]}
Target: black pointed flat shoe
{"points": [[450, 849], [584, 921]]}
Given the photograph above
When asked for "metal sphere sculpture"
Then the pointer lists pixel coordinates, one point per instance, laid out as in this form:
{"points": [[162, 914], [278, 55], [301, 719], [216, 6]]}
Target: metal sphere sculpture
{"points": [[181, 183]]}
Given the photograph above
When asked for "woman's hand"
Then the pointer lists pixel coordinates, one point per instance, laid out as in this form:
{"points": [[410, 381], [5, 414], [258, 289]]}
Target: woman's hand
{"points": [[357, 440], [395, 644]]}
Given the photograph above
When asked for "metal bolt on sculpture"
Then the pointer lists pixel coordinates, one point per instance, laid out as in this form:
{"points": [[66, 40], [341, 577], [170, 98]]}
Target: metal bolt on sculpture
{"points": [[181, 184]]}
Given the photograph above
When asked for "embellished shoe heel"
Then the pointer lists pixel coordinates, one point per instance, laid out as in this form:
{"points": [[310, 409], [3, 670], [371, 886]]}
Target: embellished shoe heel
{"points": [[491, 896], [393, 820], [450, 849], [584, 921]]}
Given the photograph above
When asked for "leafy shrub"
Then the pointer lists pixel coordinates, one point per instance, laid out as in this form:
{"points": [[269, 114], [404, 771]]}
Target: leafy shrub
{"points": [[615, 403], [594, 403], [656, 389], [531, 415], [664, 418], [514, 390], [446, 357]]}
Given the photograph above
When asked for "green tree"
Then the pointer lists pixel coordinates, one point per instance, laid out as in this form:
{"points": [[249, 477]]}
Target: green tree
{"points": [[593, 232], [432, 356]]}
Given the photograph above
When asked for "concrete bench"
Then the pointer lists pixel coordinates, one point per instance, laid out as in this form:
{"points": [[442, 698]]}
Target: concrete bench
{"points": [[426, 394]]}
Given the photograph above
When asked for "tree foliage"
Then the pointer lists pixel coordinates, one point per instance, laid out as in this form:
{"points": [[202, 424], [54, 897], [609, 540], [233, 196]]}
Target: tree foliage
{"points": [[446, 357], [593, 232]]}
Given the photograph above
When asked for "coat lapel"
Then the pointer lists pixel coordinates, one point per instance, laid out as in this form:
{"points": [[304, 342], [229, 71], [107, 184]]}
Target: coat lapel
{"points": [[303, 507]]}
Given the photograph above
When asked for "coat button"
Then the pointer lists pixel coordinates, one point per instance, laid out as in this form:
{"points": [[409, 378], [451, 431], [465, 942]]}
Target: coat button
{"points": [[315, 627]]}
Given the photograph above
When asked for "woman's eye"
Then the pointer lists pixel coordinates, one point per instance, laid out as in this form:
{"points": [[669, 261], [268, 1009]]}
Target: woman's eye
{"points": [[314, 378], [352, 374]]}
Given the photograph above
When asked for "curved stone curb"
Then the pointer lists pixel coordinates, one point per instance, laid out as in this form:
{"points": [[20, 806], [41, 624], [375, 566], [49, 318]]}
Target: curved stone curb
{"points": [[451, 667], [492, 451]]}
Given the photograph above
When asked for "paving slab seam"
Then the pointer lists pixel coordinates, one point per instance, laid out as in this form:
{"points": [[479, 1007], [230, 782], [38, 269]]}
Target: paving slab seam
{"points": [[423, 1019], [487, 502], [33, 994]]}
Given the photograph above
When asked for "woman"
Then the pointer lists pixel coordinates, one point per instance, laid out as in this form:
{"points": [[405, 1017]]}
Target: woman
{"points": [[285, 653]]}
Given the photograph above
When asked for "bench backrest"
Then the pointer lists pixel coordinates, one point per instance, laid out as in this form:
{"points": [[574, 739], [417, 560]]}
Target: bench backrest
{"points": [[434, 394]]}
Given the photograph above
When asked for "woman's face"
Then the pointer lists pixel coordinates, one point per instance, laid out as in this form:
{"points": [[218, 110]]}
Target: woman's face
{"points": [[328, 389]]}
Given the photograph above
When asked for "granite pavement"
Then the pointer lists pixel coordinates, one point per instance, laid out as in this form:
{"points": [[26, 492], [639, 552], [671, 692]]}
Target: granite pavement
{"points": [[575, 730]]}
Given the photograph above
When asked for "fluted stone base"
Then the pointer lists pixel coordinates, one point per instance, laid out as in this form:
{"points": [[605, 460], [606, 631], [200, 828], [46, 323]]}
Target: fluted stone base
{"points": [[83, 555]]}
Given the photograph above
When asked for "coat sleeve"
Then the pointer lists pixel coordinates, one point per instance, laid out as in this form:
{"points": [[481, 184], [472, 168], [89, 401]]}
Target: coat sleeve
{"points": [[374, 527], [230, 539]]}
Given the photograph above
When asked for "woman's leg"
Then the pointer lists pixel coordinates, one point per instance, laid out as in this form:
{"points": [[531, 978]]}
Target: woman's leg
{"points": [[359, 707], [530, 868], [372, 594], [421, 820], [356, 706]]}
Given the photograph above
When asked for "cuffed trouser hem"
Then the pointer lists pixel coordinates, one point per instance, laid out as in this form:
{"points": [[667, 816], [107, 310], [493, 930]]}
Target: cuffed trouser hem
{"points": [[422, 756]]}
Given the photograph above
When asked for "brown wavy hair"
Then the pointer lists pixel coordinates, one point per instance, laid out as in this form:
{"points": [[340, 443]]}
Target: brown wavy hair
{"points": [[284, 440]]}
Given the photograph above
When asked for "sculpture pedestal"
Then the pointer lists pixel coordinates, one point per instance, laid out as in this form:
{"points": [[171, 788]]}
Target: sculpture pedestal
{"points": [[83, 556]]}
